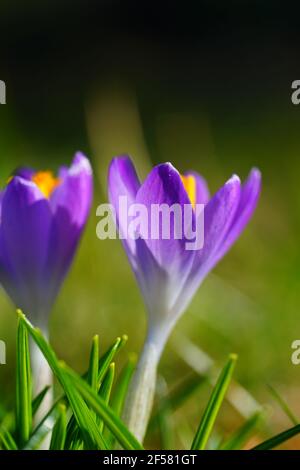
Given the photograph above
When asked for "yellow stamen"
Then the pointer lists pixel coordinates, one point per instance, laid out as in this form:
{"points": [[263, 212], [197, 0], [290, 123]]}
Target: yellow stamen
{"points": [[46, 182], [189, 183]]}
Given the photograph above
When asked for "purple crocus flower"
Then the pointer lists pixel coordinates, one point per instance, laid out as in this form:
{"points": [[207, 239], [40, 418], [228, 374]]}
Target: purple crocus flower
{"points": [[41, 221], [168, 274]]}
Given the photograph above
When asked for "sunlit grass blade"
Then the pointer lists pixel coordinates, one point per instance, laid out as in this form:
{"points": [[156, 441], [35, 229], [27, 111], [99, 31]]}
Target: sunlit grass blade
{"points": [[7, 442], [86, 422], [214, 404], [120, 390], [283, 405], [92, 376], [73, 437], [105, 389], [38, 400], [99, 367], [85, 419], [240, 437], [109, 355], [59, 431], [278, 439], [23, 385], [113, 422], [178, 395]]}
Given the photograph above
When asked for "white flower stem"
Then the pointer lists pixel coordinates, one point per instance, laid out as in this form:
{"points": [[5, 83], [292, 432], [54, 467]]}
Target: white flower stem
{"points": [[41, 376], [140, 396]]}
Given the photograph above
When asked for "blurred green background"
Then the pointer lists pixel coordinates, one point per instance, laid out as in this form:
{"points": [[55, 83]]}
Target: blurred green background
{"points": [[206, 86]]}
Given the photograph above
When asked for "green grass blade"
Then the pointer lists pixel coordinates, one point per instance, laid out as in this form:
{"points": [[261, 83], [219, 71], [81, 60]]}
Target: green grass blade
{"points": [[283, 405], [240, 437], [36, 402], [90, 433], [113, 422], [59, 431], [23, 385], [108, 357], [278, 439], [73, 439], [73, 436], [105, 389], [86, 422], [7, 442], [92, 376], [213, 406], [119, 394]]}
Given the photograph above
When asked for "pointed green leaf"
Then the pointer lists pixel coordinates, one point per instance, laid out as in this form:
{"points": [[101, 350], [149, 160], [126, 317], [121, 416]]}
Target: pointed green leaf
{"points": [[108, 357], [59, 431], [92, 376], [214, 404], [119, 394], [36, 402], [23, 385], [105, 389]]}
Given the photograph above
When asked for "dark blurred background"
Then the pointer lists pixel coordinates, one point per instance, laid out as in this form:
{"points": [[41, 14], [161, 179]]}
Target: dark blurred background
{"points": [[205, 85]]}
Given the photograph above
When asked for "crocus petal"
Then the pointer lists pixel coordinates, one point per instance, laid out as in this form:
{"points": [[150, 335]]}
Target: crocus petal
{"points": [[152, 279], [163, 186], [25, 225], [122, 183], [70, 204], [77, 181], [202, 191], [219, 214], [247, 205], [62, 172], [24, 172]]}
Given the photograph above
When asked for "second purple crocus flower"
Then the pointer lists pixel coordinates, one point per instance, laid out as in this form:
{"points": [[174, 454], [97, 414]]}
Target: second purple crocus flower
{"points": [[41, 221], [168, 274]]}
